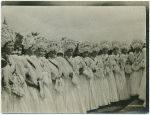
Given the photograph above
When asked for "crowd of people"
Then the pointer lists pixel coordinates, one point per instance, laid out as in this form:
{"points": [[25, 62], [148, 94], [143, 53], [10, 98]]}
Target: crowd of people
{"points": [[43, 76]]}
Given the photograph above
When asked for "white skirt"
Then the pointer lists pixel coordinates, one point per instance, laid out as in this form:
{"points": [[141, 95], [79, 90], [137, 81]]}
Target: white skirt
{"points": [[135, 80], [70, 97], [142, 90], [112, 87]]}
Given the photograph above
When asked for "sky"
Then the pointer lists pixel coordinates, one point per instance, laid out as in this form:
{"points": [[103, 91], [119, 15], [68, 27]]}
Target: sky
{"points": [[95, 23]]}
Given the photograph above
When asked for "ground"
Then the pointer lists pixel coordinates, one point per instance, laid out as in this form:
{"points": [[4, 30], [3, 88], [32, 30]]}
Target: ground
{"points": [[133, 105]]}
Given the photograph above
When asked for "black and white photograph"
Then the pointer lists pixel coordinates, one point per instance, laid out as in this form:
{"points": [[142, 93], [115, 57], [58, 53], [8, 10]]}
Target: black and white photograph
{"points": [[74, 57]]}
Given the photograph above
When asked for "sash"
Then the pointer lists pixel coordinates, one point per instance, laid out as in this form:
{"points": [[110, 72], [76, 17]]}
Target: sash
{"points": [[94, 60], [31, 64], [54, 64], [69, 63], [105, 59], [137, 56], [136, 59], [85, 63], [97, 63]]}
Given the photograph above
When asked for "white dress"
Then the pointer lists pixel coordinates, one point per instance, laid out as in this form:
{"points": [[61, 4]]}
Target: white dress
{"points": [[128, 71], [125, 78], [79, 63], [48, 99], [69, 95], [138, 63], [93, 96], [56, 88], [5, 93], [108, 73], [103, 84], [119, 63], [14, 100], [84, 79], [142, 90], [23, 71], [98, 82], [36, 75]]}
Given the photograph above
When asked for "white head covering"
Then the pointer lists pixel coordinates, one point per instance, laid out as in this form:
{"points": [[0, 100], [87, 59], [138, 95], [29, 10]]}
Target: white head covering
{"points": [[84, 46], [7, 35], [137, 43], [53, 45], [116, 44], [105, 44], [40, 42], [95, 47], [69, 44], [125, 45], [28, 41]]}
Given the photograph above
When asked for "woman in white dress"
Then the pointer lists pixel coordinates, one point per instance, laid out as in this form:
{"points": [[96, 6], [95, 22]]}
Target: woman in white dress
{"points": [[108, 71], [69, 76], [55, 68], [118, 70], [23, 70], [98, 76], [34, 78], [138, 64], [103, 81], [13, 83], [125, 63], [85, 74], [49, 101]]}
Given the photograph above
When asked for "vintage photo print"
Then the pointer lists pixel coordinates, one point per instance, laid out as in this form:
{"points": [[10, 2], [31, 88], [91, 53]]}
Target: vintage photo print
{"points": [[74, 57]]}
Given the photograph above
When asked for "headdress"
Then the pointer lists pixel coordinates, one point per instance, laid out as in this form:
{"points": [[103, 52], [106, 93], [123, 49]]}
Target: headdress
{"points": [[39, 42], [28, 41], [84, 46], [7, 35], [70, 44], [116, 44], [95, 47], [105, 44], [53, 45], [125, 45], [137, 43]]}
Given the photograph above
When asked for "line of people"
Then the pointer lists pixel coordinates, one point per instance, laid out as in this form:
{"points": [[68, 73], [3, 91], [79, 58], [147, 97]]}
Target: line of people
{"points": [[37, 83]]}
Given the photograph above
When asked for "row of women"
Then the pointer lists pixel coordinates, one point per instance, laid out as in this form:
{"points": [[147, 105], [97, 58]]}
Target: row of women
{"points": [[32, 83]]}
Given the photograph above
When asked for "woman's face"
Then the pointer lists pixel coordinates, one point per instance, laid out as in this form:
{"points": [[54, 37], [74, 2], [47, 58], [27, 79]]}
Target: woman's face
{"points": [[39, 52], [124, 51], [94, 53], [69, 52], [44, 53], [105, 50], [85, 54], [19, 50], [30, 52], [116, 50], [137, 50], [52, 54], [9, 48], [60, 54]]}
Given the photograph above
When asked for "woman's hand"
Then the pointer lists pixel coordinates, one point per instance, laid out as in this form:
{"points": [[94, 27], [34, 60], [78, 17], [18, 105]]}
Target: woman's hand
{"points": [[136, 63], [7, 88], [81, 71], [71, 75], [93, 70]]}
